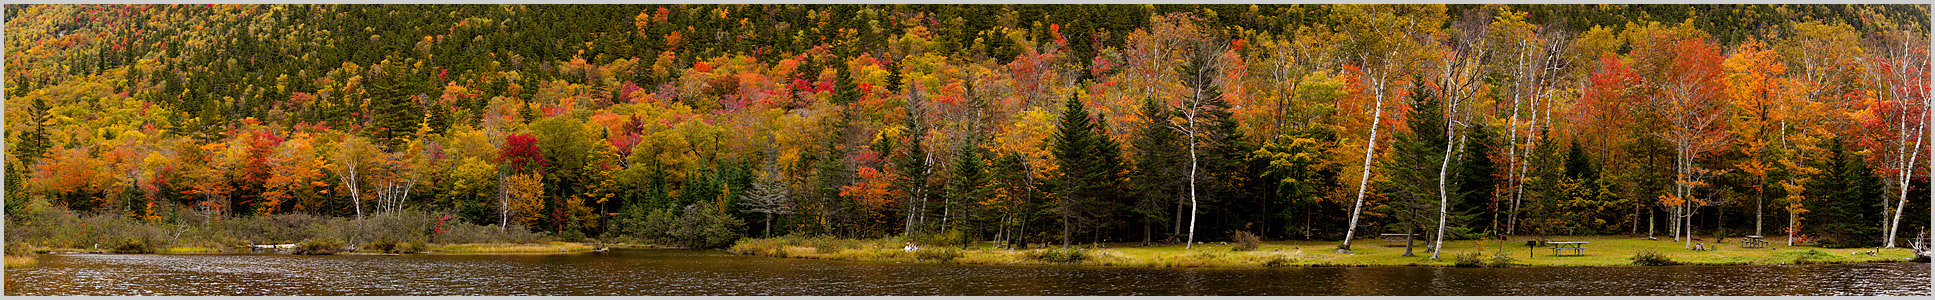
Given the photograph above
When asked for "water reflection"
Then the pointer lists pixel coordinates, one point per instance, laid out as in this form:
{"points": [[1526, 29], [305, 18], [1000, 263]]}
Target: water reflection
{"points": [[677, 272]]}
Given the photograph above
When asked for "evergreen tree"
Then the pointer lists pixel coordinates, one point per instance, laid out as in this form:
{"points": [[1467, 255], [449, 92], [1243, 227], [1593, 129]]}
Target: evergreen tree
{"points": [[1087, 174], [1578, 163], [768, 195], [1844, 214], [1416, 156], [913, 162], [1158, 159], [1110, 178], [393, 97], [1543, 185], [1477, 183], [968, 183]]}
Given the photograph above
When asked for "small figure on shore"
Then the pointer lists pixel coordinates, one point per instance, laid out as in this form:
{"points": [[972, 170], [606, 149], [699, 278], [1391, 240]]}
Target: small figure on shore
{"points": [[910, 247]]}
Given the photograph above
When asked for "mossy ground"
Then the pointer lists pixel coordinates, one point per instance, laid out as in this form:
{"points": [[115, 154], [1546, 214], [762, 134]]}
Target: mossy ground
{"points": [[1602, 251]]}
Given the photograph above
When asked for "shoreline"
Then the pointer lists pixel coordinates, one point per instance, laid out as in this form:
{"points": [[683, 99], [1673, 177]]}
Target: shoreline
{"points": [[434, 249], [1603, 251]]}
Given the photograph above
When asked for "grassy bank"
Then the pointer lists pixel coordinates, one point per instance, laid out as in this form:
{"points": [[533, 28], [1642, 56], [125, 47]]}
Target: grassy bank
{"points": [[52, 229], [1602, 251], [187, 250], [21, 261]]}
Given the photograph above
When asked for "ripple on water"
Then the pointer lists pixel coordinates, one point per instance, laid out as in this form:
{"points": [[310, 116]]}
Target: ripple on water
{"points": [[666, 272]]}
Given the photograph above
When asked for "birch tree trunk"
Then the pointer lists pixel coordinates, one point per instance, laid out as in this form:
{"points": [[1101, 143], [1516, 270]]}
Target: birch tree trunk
{"points": [[1363, 181]]}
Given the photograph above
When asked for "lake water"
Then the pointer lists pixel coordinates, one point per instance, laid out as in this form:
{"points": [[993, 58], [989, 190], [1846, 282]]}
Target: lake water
{"points": [[691, 272]]}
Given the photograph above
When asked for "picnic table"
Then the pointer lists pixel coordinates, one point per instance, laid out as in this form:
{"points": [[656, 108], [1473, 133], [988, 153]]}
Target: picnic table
{"points": [[1578, 248], [1753, 242], [1395, 239]]}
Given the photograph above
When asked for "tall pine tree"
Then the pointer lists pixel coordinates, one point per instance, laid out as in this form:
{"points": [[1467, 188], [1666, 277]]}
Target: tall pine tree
{"points": [[1844, 214], [1158, 159], [1477, 183], [1087, 175], [1416, 156]]}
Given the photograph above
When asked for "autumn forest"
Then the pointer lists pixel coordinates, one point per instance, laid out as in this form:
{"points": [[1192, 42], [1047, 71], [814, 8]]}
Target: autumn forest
{"points": [[1019, 124]]}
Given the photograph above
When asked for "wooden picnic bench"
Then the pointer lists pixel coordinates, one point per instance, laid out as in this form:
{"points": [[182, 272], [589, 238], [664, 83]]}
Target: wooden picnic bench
{"points": [[1753, 242], [1558, 248], [1395, 239]]}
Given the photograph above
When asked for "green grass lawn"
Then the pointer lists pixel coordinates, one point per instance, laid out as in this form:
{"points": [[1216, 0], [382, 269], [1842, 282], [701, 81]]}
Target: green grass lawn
{"points": [[1601, 251]]}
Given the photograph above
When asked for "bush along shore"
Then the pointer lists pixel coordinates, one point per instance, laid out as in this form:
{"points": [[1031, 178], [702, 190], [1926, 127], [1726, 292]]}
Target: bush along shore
{"points": [[1601, 251], [53, 229]]}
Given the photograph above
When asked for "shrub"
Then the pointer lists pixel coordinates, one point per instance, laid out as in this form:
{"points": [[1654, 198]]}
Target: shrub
{"points": [[826, 244], [407, 247], [1279, 260], [1501, 260], [640, 224], [1468, 260], [941, 254], [949, 238], [571, 236], [319, 246], [1807, 256], [275, 229], [1648, 257], [1060, 255], [384, 245], [704, 227], [399, 226], [1245, 241], [466, 233], [133, 245]]}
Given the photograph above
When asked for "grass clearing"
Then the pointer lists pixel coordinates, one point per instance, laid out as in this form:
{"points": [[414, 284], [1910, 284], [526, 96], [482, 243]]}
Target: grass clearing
{"points": [[1602, 251]]}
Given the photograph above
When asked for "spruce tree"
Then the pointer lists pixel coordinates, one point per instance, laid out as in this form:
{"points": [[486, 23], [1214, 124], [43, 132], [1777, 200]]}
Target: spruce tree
{"points": [[1578, 164], [968, 182], [1477, 182], [1845, 211], [768, 195], [913, 160], [393, 96], [1108, 179], [1416, 156], [1088, 174], [1158, 159]]}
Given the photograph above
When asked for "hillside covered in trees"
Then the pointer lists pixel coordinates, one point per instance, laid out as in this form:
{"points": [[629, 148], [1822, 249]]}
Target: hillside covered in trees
{"points": [[1053, 124]]}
